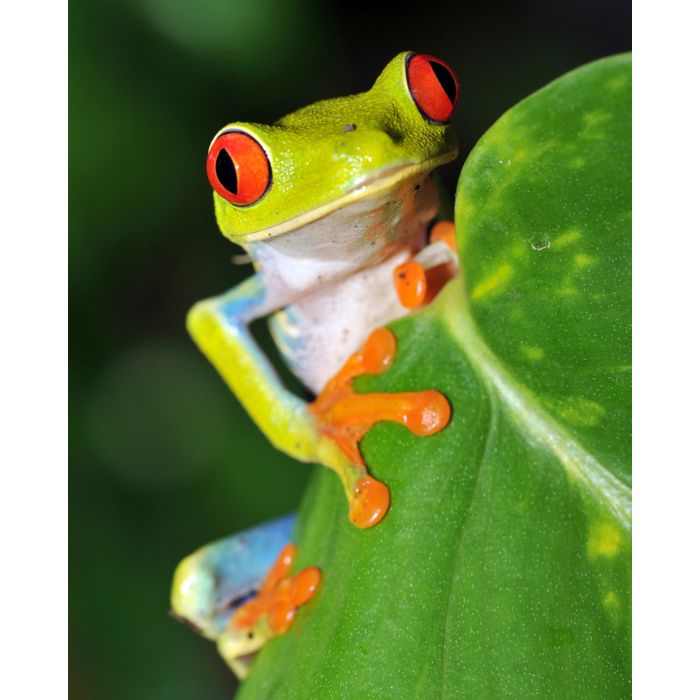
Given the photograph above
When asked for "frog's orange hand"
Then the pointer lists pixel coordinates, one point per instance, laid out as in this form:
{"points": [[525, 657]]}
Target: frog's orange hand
{"points": [[280, 595], [418, 281], [345, 417]]}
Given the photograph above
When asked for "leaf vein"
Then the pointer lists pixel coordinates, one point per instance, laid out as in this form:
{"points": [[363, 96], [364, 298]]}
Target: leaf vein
{"points": [[578, 463]]}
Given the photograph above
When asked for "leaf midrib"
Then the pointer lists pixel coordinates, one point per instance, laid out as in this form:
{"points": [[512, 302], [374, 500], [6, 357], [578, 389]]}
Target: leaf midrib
{"points": [[579, 464]]}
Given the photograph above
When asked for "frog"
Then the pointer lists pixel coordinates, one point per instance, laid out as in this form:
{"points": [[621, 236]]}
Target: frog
{"points": [[335, 205], [328, 203]]}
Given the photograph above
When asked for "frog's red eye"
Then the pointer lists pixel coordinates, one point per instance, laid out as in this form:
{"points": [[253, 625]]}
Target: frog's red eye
{"points": [[238, 168], [433, 86]]}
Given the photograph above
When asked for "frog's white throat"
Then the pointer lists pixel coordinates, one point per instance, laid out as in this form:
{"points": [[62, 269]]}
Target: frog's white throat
{"points": [[332, 279]]}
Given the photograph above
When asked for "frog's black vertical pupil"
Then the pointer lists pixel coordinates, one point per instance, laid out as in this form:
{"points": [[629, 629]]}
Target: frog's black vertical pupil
{"points": [[226, 171], [445, 79]]}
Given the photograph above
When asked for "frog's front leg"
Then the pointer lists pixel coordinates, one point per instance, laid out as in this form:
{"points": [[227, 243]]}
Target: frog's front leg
{"points": [[219, 326], [346, 416]]}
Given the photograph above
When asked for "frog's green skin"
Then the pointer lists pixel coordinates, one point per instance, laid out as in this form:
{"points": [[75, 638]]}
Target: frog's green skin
{"points": [[350, 199]]}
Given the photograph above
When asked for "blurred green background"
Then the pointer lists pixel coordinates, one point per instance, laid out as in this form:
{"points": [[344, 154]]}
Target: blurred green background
{"points": [[162, 458]]}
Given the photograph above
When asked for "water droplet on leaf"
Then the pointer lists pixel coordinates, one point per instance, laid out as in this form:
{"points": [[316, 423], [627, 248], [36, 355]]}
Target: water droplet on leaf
{"points": [[540, 241]]}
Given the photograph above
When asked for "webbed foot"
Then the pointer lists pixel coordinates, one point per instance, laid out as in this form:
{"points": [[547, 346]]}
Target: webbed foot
{"points": [[345, 417], [270, 613]]}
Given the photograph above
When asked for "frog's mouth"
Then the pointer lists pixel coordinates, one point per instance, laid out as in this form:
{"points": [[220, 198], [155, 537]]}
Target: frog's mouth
{"points": [[373, 185], [388, 177]]}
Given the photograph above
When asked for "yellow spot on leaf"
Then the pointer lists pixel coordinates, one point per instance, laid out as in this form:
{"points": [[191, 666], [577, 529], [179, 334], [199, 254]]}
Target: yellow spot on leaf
{"points": [[583, 260], [577, 163], [611, 600], [566, 238], [494, 282], [577, 410], [605, 540], [531, 352], [596, 117], [531, 152], [611, 604], [617, 83], [592, 122]]}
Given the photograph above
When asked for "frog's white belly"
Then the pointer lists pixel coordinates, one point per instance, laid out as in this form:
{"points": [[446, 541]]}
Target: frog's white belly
{"points": [[335, 276], [317, 335]]}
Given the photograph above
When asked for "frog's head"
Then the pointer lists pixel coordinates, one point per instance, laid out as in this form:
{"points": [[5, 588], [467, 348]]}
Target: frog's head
{"points": [[269, 180]]}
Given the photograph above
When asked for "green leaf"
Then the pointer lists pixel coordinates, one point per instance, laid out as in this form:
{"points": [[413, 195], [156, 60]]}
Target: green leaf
{"points": [[503, 566]]}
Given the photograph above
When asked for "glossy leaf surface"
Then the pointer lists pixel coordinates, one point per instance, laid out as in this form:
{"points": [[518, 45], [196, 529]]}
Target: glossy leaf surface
{"points": [[503, 566]]}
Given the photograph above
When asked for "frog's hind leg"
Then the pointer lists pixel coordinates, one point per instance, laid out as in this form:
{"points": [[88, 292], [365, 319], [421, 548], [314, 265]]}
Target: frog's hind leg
{"points": [[210, 584], [240, 592]]}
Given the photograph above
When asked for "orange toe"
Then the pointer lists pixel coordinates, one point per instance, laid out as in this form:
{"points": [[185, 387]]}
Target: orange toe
{"points": [[280, 595], [370, 502], [411, 284]]}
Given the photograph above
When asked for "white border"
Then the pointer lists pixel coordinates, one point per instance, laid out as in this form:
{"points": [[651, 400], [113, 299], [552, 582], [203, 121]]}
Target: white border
{"points": [[33, 283], [666, 195], [33, 378]]}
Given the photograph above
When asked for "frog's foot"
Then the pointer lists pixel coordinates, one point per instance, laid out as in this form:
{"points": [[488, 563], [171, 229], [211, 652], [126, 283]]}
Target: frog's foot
{"points": [[418, 281], [269, 614], [345, 417], [280, 595]]}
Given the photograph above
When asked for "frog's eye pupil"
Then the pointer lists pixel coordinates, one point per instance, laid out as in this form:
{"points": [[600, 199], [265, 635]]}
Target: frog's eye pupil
{"points": [[445, 79], [226, 171], [238, 168], [433, 86]]}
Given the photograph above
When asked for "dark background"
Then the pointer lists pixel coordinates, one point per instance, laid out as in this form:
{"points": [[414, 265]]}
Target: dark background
{"points": [[162, 458]]}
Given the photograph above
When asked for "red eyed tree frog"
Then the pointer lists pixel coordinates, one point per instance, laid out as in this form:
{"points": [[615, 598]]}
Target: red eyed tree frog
{"points": [[333, 204]]}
